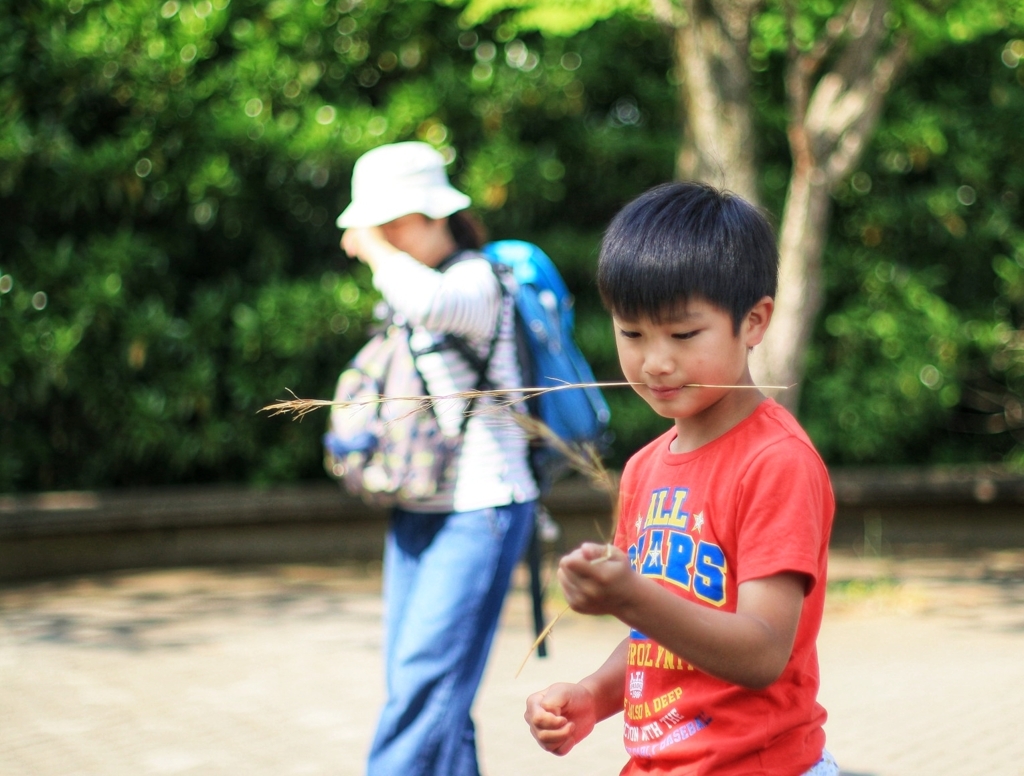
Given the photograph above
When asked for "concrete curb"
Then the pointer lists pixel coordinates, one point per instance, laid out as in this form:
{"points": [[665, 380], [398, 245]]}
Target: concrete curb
{"points": [[52, 534]]}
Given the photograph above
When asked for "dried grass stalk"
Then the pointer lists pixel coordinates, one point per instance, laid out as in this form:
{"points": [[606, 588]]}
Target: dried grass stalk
{"points": [[551, 625], [583, 458], [512, 396]]}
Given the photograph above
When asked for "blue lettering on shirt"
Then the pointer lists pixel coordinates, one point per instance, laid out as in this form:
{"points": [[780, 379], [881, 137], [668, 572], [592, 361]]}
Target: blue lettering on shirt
{"points": [[709, 576], [666, 550]]}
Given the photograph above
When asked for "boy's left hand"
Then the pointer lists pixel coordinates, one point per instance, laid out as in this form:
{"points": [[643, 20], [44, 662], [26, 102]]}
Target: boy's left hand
{"points": [[596, 578], [561, 716]]}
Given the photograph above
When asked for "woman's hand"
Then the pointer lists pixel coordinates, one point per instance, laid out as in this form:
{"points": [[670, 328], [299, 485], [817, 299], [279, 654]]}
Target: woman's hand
{"points": [[367, 243]]}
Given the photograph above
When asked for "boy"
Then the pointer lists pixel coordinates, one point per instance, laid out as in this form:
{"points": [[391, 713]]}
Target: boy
{"points": [[720, 552]]}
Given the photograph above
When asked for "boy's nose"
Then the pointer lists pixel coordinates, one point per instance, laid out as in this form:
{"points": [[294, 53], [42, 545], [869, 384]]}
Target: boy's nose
{"points": [[658, 363]]}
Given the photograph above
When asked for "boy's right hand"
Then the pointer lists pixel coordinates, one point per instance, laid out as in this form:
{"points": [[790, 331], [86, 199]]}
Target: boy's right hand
{"points": [[597, 579], [561, 716]]}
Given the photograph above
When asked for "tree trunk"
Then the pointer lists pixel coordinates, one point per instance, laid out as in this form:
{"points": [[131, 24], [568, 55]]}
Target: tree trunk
{"points": [[779, 360], [832, 118], [711, 49], [829, 129]]}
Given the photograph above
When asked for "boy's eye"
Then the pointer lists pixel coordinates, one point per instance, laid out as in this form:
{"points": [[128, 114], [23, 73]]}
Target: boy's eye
{"points": [[629, 334], [685, 335]]}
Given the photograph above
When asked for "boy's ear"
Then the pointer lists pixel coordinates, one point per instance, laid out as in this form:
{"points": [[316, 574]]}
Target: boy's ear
{"points": [[755, 324]]}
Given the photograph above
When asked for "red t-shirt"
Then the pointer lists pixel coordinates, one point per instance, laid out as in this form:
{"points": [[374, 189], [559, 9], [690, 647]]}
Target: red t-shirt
{"points": [[753, 503]]}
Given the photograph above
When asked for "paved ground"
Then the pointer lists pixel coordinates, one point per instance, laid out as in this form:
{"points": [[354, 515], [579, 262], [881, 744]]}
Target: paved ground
{"points": [[276, 671]]}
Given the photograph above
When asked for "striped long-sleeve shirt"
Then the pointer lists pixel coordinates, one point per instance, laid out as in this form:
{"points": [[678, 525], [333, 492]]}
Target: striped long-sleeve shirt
{"points": [[466, 300]]}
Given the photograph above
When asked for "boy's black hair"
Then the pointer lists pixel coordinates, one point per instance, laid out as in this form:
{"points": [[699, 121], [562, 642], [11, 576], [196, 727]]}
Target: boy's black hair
{"points": [[680, 241]]}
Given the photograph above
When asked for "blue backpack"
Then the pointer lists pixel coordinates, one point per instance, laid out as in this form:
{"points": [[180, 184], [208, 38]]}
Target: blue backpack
{"points": [[544, 308]]}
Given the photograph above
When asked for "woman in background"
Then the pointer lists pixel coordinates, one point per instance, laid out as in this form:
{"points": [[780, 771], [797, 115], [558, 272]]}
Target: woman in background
{"points": [[448, 558]]}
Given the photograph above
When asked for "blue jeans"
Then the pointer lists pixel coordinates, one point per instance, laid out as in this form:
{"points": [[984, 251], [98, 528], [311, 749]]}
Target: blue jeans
{"points": [[445, 579]]}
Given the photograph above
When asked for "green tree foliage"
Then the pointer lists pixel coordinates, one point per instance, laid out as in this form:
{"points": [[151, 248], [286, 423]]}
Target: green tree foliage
{"points": [[169, 177], [917, 352], [161, 241], [917, 356]]}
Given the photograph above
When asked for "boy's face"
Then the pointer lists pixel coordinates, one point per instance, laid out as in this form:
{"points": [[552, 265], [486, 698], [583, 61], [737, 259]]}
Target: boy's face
{"points": [[696, 345]]}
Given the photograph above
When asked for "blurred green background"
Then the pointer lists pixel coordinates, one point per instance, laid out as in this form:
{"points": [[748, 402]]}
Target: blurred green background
{"points": [[170, 175]]}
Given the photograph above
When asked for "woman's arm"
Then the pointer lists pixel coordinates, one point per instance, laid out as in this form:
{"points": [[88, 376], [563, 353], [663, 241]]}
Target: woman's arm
{"points": [[465, 300]]}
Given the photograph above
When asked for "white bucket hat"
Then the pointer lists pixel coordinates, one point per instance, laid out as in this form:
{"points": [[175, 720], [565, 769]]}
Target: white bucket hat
{"points": [[395, 180]]}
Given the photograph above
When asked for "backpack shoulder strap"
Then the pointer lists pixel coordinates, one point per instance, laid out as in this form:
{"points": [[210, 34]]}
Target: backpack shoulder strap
{"points": [[480, 365]]}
